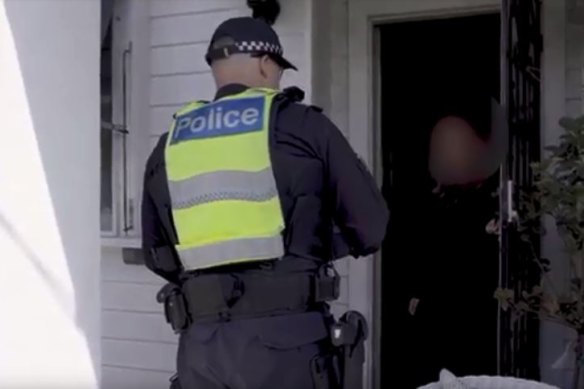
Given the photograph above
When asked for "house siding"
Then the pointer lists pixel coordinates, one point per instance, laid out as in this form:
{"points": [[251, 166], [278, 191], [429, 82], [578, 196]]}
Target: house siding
{"points": [[179, 37], [330, 83], [138, 347]]}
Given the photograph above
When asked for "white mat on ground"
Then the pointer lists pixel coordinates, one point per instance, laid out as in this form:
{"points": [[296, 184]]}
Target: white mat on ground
{"points": [[449, 381]]}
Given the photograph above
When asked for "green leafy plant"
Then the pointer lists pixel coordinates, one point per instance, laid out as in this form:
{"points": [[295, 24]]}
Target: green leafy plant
{"points": [[557, 193]]}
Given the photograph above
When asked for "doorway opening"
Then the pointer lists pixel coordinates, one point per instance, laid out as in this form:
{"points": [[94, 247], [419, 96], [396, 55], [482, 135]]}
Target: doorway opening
{"points": [[437, 249]]}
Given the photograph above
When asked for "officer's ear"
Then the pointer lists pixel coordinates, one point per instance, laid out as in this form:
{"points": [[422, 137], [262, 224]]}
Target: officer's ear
{"points": [[264, 65]]}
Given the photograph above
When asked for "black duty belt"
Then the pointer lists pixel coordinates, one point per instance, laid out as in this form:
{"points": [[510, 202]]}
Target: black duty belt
{"points": [[221, 297]]}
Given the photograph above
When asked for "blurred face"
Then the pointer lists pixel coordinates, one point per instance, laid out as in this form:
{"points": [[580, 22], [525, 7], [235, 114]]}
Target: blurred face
{"points": [[454, 151], [270, 72]]}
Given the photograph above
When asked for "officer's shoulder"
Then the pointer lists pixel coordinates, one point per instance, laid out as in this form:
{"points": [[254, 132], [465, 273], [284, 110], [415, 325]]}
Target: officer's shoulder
{"points": [[294, 97], [293, 94], [303, 110]]}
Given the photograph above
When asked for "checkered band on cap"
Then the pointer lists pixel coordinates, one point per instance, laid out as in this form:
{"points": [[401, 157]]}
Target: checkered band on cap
{"points": [[259, 46]]}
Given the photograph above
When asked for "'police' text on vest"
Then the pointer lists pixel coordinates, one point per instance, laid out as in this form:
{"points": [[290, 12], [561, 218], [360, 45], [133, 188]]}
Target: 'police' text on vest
{"points": [[220, 118]]}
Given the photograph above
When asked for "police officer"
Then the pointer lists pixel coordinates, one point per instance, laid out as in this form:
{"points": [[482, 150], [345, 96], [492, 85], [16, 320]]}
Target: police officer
{"points": [[247, 200]]}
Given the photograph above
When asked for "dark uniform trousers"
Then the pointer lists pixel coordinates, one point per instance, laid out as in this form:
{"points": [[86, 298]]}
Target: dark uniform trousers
{"points": [[259, 353]]}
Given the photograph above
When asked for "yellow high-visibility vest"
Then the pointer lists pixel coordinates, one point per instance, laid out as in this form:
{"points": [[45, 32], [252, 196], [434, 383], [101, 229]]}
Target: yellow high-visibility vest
{"points": [[224, 198]]}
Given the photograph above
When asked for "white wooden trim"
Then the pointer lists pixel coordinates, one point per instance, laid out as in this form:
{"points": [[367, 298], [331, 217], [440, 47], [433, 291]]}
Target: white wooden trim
{"points": [[363, 16], [553, 101], [129, 243], [377, 163], [139, 115], [554, 69], [120, 26], [131, 25], [308, 48]]}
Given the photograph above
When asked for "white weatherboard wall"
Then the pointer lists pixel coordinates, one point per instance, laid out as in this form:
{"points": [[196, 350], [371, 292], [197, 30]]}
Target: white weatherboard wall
{"points": [[180, 33], [138, 346], [49, 202], [329, 80]]}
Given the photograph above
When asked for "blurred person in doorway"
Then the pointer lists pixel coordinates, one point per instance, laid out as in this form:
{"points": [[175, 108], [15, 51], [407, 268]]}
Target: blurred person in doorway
{"points": [[456, 273]]}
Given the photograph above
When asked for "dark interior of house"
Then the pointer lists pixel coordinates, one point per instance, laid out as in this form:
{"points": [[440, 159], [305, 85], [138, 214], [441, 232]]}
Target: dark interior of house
{"points": [[431, 69]]}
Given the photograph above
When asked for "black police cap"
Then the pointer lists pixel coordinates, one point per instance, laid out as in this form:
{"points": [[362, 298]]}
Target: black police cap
{"points": [[246, 35]]}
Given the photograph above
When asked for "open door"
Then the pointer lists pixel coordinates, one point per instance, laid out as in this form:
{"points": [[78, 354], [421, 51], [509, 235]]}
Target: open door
{"points": [[522, 46]]}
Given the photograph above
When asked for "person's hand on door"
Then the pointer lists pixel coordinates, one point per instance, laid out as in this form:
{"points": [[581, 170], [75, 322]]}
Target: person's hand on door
{"points": [[413, 306], [493, 227]]}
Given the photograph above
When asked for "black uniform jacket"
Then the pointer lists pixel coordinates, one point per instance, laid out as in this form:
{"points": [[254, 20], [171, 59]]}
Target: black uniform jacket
{"points": [[325, 190]]}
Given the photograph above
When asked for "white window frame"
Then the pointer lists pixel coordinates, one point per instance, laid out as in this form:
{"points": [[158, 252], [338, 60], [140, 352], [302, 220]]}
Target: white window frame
{"points": [[130, 100]]}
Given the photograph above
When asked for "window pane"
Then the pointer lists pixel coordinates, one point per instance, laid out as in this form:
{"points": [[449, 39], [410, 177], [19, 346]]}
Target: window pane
{"points": [[107, 222], [106, 181]]}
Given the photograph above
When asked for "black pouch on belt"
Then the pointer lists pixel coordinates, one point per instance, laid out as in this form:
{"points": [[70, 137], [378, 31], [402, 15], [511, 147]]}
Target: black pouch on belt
{"points": [[175, 307], [348, 336]]}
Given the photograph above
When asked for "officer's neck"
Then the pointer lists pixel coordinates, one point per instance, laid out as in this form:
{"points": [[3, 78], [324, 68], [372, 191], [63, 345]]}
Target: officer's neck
{"points": [[230, 89]]}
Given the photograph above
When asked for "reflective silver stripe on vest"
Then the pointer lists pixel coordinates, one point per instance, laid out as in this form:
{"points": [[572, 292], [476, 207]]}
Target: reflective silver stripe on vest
{"points": [[223, 185], [232, 251]]}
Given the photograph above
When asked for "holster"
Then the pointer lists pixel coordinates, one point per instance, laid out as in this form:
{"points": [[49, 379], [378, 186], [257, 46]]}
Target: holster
{"points": [[348, 336], [175, 307], [324, 372]]}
